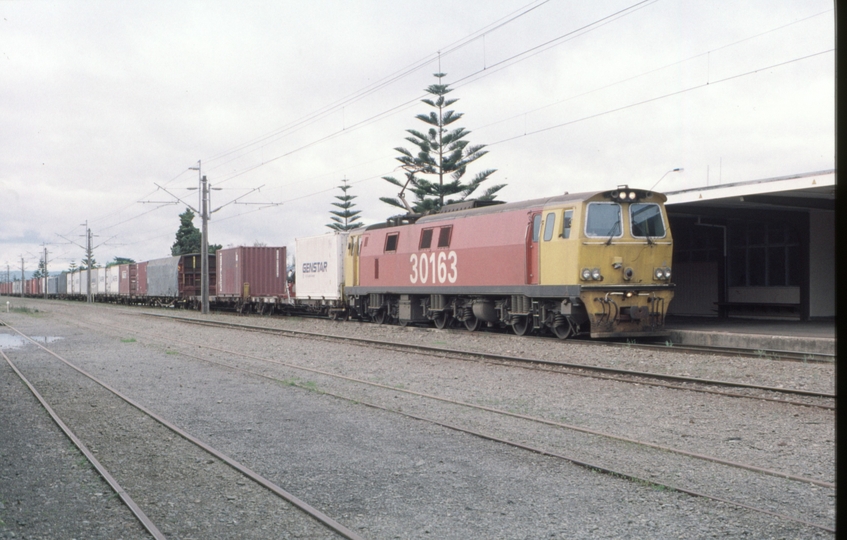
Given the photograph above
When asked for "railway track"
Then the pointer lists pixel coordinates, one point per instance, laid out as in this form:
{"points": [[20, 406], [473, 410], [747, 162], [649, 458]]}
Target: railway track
{"points": [[420, 406], [823, 400], [94, 433]]}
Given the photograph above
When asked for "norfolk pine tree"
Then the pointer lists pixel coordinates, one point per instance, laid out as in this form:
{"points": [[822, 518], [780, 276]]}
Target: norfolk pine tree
{"points": [[442, 153], [344, 219]]}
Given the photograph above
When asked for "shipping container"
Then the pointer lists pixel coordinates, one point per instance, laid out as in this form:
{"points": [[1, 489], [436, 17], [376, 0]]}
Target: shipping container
{"points": [[52, 284], [108, 271], [251, 272], [178, 277], [101, 281], [128, 279], [62, 283], [163, 277], [141, 279], [78, 283], [319, 272]]}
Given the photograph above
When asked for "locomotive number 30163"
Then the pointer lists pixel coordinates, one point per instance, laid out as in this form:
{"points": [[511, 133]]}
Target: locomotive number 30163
{"points": [[434, 267]]}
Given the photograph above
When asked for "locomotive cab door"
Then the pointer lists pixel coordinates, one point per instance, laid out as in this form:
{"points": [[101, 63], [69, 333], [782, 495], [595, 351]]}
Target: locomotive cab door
{"points": [[533, 230]]}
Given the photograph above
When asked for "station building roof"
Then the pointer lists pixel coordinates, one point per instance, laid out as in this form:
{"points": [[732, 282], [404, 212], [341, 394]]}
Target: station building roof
{"points": [[808, 191]]}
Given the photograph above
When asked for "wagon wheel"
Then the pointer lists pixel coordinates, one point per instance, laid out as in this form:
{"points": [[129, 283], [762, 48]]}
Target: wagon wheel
{"points": [[563, 331], [380, 316], [472, 324], [442, 320], [522, 326]]}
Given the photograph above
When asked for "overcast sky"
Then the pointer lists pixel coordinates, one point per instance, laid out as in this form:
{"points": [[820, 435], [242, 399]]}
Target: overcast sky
{"points": [[101, 101]]}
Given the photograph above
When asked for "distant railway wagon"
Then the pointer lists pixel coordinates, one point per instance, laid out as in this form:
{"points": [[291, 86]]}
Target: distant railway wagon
{"points": [[176, 281], [597, 263], [128, 280], [251, 277], [141, 279]]}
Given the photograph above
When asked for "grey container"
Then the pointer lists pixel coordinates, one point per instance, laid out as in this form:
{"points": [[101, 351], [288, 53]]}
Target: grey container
{"points": [[62, 285], [163, 277]]}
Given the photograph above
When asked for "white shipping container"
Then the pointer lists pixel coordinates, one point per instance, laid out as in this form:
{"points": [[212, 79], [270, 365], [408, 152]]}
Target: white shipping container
{"points": [[319, 266], [78, 283], [112, 279], [108, 280]]}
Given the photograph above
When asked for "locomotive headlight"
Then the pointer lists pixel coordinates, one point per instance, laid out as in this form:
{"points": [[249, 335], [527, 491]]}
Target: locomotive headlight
{"points": [[667, 273], [586, 274], [658, 273], [631, 195], [595, 274]]}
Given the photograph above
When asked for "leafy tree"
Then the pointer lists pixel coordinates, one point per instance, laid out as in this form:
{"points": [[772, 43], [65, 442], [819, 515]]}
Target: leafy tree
{"points": [[188, 237], [442, 153], [120, 260], [345, 218]]}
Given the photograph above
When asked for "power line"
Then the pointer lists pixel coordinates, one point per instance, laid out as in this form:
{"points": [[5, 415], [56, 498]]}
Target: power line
{"points": [[378, 85], [663, 96]]}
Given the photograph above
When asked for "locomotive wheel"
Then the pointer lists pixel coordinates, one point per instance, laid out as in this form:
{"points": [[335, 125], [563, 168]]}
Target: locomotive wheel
{"points": [[472, 324], [442, 320], [380, 316], [522, 326], [564, 331]]}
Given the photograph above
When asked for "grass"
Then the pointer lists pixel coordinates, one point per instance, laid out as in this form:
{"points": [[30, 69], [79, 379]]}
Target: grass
{"points": [[24, 309], [305, 385], [128, 340], [669, 343], [171, 352]]}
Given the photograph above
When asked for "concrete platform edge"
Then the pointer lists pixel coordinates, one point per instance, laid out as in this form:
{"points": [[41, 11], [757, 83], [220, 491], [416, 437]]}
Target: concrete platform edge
{"points": [[754, 341]]}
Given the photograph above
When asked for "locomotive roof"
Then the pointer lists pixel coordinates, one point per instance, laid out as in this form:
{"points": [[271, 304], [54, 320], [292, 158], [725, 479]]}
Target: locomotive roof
{"points": [[509, 207]]}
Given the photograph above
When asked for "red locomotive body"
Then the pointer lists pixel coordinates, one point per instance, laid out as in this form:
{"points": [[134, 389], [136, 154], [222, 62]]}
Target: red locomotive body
{"points": [[446, 252]]}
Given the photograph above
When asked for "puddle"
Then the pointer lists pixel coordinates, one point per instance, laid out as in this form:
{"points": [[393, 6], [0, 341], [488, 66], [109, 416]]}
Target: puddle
{"points": [[14, 341]]}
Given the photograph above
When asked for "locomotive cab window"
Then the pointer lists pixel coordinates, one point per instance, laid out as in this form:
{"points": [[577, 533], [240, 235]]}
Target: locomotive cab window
{"points": [[426, 239], [444, 236], [549, 226], [391, 242], [603, 220], [646, 220], [536, 227], [566, 224]]}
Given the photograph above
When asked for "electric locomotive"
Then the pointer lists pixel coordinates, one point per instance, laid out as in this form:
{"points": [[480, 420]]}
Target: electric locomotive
{"points": [[596, 263]]}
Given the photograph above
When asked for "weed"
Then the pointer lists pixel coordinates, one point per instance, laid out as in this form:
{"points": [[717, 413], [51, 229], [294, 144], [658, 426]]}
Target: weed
{"points": [[761, 353], [306, 385], [23, 309], [171, 352], [128, 340], [630, 342], [668, 343]]}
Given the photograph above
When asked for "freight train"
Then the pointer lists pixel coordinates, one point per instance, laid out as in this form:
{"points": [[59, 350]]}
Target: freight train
{"points": [[595, 263]]}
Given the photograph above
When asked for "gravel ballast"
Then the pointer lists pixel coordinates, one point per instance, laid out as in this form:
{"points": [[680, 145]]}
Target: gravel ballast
{"points": [[387, 476]]}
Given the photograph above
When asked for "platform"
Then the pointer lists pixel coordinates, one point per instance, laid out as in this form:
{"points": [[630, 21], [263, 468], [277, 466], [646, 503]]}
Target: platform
{"points": [[814, 337]]}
